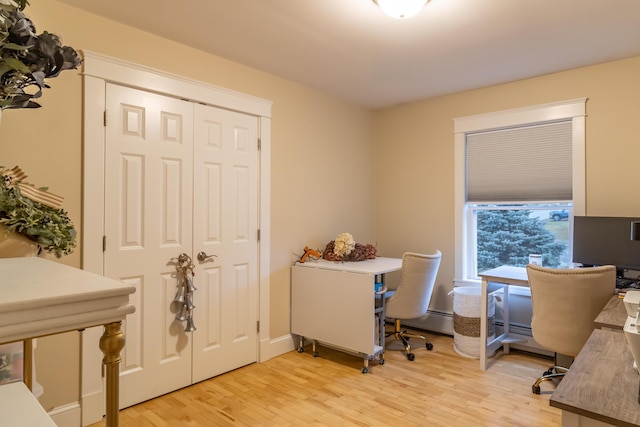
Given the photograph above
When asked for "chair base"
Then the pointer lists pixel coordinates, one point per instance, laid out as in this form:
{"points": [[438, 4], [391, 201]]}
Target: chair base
{"points": [[404, 336], [554, 372]]}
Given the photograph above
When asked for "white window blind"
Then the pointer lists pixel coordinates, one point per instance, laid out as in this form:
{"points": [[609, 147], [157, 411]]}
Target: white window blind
{"points": [[531, 163]]}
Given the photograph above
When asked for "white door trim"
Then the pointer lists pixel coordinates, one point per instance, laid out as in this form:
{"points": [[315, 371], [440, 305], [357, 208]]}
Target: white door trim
{"points": [[98, 70]]}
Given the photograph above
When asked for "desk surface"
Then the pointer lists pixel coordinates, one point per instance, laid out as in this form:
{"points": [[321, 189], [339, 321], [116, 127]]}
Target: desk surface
{"points": [[602, 383], [613, 315], [379, 265], [507, 274]]}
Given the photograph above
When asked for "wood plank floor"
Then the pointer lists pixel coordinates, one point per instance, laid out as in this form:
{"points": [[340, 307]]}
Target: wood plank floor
{"points": [[439, 388]]}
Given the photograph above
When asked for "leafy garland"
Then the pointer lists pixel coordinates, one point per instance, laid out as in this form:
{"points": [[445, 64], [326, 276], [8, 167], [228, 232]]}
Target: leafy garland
{"points": [[49, 227], [27, 59]]}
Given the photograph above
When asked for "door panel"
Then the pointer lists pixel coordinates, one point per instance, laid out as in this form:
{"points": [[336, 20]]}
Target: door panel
{"points": [[225, 225], [148, 191]]}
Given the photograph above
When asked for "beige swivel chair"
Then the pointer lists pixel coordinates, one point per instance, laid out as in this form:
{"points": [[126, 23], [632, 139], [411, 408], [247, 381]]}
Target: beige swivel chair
{"points": [[411, 299], [565, 305]]}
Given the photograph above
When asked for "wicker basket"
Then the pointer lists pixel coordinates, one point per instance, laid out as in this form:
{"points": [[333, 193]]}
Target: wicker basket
{"points": [[466, 320]]}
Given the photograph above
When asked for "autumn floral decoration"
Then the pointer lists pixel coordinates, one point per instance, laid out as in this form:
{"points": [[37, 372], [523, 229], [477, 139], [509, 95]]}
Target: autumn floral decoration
{"points": [[345, 248]]}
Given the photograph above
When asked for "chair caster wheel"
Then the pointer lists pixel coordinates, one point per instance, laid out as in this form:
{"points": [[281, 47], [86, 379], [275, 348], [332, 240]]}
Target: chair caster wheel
{"points": [[429, 346], [365, 370], [411, 356], [381, 362], [535, 389], [300, 350], [315, 354]]}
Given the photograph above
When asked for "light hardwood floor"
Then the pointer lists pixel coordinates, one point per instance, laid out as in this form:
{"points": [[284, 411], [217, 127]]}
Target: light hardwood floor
{"points": [[439, 388]]}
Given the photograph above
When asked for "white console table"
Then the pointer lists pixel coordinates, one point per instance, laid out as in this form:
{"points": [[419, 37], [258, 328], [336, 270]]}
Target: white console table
{"points": [[335, 303], [42, 297]]}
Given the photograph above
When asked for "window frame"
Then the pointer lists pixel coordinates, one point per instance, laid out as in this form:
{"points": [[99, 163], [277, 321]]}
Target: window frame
{"points": [[574, 110]]}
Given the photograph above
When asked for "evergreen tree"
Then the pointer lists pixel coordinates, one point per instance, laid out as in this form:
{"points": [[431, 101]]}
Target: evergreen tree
{"points": [[507, 237]]}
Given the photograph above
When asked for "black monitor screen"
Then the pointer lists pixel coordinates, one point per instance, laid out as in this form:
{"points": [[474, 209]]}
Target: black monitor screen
{"points": [[605, 240]]}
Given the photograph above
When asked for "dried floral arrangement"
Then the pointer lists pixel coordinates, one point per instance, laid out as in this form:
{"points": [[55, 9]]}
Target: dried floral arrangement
{"points": [[345, 248]]}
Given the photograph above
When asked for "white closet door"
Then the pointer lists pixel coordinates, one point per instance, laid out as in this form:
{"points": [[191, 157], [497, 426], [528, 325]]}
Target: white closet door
{"points": [[181, 178], [226, 228], [148, 221]]}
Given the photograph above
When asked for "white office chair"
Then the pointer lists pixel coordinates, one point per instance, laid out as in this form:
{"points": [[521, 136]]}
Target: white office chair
{"points": [[411, 299], [565, 304]]}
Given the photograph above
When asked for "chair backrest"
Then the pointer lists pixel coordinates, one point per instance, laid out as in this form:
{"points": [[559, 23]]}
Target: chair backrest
{"points": [[566, 303], [411, 298]]}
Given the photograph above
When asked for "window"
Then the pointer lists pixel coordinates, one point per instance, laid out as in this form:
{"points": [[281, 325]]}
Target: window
{"points": [[507, 234], [519, 181]]}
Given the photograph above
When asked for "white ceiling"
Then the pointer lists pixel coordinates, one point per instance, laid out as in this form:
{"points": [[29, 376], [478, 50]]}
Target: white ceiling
{"points": [[351, 49]]}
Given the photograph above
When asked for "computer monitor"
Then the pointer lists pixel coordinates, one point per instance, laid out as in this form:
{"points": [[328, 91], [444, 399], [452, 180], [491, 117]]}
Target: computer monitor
{"points": [[605, 241]]}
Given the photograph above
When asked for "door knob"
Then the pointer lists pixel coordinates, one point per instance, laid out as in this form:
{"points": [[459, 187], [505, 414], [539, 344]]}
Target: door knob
{"points": [[202, 256]]}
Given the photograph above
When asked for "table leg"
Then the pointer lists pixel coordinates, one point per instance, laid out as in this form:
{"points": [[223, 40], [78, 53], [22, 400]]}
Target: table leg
{"points": [[383, 315], [505, 318], [111, 343], [483, 325], [27, 363]]}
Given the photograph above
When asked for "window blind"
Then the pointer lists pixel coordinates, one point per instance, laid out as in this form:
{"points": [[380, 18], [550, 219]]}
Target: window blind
{"points": [[531, 163]]}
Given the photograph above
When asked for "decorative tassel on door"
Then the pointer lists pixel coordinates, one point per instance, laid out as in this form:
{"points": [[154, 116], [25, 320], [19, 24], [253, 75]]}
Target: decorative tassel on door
{"points": [[184, 295]]}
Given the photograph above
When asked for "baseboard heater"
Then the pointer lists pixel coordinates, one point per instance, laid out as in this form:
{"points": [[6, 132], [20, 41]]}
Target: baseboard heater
{"points": [[442, 323]]}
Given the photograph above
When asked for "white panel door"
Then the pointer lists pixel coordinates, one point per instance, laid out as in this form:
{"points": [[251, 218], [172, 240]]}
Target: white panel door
{"points": [[159, 203], [148, 191], [225, 228]]}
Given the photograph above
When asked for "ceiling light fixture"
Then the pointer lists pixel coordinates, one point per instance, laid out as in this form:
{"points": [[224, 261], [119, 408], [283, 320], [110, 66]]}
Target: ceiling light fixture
{"points": [[401, 9]]}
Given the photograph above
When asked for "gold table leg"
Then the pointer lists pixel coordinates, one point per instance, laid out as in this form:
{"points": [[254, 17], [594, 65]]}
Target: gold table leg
{"points": [[27, 363], [111, 343]]}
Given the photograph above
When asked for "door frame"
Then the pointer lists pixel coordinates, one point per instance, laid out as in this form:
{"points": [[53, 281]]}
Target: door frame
{"points": [[98, 70]]}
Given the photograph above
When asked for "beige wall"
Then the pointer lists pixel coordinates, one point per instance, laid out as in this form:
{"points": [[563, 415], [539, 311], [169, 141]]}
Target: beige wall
{"points": [[384, 176], [413, 146], [322, 179]]}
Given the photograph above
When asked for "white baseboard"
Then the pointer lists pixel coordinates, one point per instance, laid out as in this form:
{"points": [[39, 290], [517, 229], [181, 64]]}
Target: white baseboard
{"points": [[93, 405], [281, 345], [69, 415]]}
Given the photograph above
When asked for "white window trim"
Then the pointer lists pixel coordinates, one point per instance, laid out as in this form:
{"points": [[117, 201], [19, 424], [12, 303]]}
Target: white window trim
{"points": [[564, 110]]}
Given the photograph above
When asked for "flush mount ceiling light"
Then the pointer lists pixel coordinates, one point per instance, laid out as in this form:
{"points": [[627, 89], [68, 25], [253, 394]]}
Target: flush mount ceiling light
{"points": [[401, 9]]}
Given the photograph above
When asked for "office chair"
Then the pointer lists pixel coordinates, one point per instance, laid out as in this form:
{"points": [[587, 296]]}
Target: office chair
{"points": [[411, 299], [565, 304]]}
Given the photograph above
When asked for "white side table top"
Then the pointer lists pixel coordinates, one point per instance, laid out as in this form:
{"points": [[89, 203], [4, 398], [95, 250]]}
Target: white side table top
{"points": [[378, 265], [19, 408], [42, 297]]}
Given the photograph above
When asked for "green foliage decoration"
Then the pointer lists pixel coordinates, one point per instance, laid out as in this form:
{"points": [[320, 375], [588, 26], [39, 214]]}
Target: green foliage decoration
{"points": [[49, 227], [28, 59]]}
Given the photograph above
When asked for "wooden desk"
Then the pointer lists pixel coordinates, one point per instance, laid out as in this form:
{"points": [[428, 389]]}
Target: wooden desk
{"points": [[42, 297], [335, 303], [601, 386], [613, 315], [504, 277]]}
